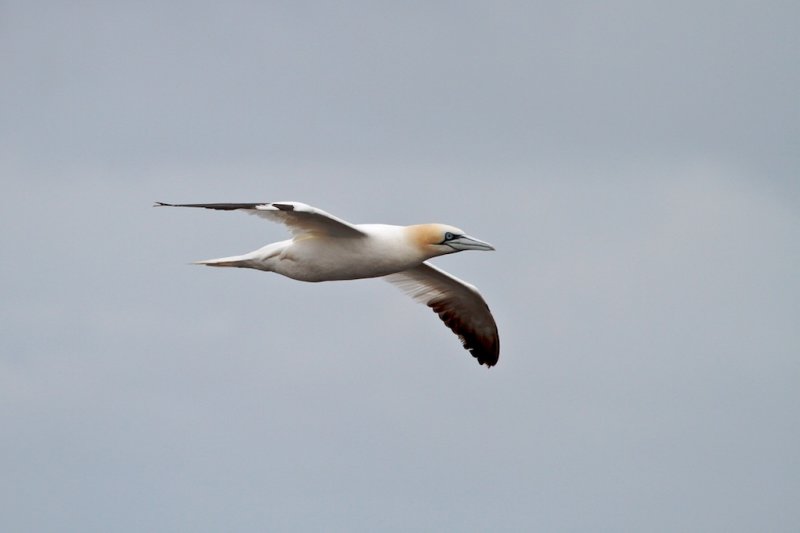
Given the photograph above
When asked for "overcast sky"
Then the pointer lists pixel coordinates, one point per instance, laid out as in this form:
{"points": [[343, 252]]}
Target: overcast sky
{"points": [[636, 165]]}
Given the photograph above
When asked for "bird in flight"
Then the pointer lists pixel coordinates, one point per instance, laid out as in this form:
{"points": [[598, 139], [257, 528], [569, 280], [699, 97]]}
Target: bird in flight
{"points": [[326, 248]]}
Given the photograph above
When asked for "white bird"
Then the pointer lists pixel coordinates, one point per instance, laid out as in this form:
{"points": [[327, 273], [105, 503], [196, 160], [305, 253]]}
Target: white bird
{"points": [[326, 248]]}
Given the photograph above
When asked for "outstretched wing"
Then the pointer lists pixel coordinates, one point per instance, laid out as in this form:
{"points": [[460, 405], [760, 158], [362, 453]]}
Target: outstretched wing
{"points": [[301, 219], [459, 304]]}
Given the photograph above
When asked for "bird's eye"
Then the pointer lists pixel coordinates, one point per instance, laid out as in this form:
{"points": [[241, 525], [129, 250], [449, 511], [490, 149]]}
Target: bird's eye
{"points": [[449, 236]]}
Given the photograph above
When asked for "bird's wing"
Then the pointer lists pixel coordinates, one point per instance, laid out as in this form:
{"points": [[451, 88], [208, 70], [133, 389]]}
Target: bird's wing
{"points": [[301, 219], [459, 304]]}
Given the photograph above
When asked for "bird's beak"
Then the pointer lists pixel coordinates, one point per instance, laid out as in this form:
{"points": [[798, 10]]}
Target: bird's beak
{"points": [[465, 242]]}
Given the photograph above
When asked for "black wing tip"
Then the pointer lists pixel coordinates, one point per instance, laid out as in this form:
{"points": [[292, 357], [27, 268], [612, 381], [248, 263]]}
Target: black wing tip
{"points": [[488, 359], [218, 206], [485, 354], [485, 349]]}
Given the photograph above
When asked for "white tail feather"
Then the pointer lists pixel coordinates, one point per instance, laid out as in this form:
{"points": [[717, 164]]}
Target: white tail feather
{"points": [[240, 261]]}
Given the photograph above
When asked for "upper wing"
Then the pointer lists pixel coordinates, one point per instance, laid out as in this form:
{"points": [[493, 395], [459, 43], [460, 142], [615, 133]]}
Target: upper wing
{"points": [[301, 219], [458, 304]]}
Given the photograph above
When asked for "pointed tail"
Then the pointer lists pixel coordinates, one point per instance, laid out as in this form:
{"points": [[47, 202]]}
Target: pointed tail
{"points": [[238, 261]]}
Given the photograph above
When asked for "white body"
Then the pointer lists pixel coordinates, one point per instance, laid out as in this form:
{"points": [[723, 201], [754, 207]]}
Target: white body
{"points": [[316, 258]]}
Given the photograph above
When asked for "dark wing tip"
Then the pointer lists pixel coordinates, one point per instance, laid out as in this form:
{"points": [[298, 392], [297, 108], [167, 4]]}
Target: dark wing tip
{"points": [[486, 355], [219, 207], [486, 349]]}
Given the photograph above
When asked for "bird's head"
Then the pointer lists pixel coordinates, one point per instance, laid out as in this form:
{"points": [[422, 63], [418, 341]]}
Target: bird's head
{"points": [[441, 239]]}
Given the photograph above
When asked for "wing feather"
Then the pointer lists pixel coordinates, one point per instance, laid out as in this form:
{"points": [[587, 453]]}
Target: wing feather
{"points": [[460, 306], [301, 219]]}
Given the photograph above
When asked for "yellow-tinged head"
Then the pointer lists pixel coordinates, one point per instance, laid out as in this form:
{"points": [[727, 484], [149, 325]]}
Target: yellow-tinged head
{"points": [[441, 239]]}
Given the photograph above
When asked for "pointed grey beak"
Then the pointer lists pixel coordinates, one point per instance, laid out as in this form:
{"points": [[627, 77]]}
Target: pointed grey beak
{"points": [[465, 242]]}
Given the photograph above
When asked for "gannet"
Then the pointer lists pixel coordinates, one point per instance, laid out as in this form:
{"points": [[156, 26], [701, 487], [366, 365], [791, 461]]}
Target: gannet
{"points": [[326, 248]]}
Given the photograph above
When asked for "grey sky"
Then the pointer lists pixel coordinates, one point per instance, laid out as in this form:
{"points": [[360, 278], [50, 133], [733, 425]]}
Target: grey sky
{"points": [[635, 164]]}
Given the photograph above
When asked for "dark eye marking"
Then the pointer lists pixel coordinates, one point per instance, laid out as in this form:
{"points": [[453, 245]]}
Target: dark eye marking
{"points": [[449, 237]]}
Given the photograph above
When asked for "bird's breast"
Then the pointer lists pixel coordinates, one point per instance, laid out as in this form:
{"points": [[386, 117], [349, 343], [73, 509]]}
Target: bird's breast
{"points": [[327, 259]]}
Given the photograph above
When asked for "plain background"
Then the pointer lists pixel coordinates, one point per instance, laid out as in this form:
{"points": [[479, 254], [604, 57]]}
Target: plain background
{"points": [[636, 165]]}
